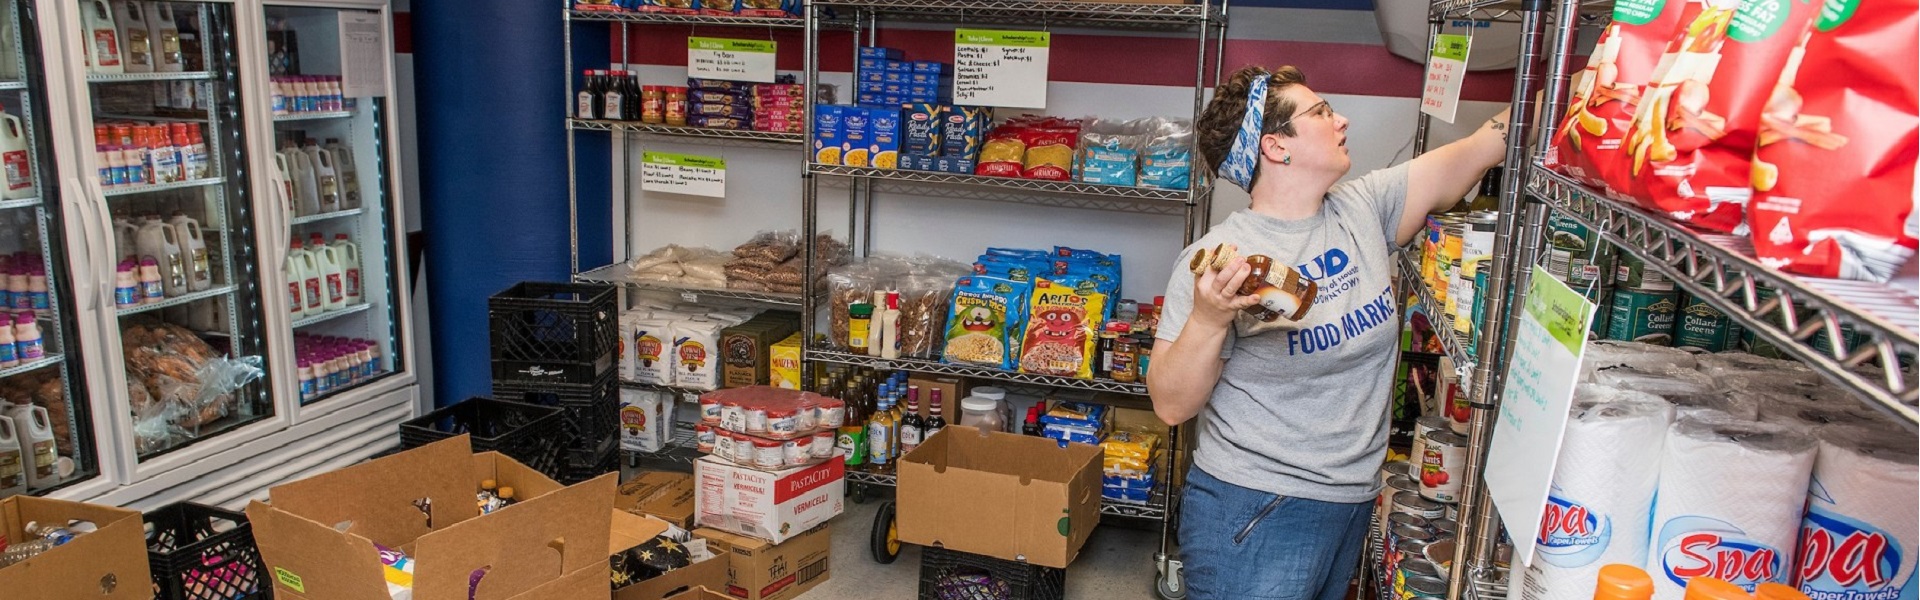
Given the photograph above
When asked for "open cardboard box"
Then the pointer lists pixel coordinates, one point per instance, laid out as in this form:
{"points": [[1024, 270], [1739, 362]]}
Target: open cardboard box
{"points": [[317, 536], [1008, 496], [770, 505], [667, 496], [701, 594], [111, 562], [710, 572]]}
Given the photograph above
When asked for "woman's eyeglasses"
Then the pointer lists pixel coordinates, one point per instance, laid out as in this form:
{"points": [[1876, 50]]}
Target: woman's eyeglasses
{"points": [[1322, 109]]}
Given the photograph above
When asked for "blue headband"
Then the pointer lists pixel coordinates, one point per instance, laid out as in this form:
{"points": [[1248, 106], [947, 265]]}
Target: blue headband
{"points": [[1239, 164]]}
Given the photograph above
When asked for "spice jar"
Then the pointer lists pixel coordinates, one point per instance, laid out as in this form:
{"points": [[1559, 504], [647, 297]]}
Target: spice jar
{"points": [[676, 106], [767, 454], [781, 422], [859, 327], [653, 104], [1125, 350]]}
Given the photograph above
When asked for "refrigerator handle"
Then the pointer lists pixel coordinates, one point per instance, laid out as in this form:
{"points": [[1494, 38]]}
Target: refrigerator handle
{"points": [[282, 222], [97, 201], [84, 211]]}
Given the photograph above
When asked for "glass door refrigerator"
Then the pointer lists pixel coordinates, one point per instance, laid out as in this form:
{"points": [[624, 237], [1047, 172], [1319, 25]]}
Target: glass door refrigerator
{"points": [[329, 158]]}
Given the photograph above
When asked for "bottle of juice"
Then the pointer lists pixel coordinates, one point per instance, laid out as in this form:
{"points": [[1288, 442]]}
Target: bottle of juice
{"points": [[26, 338], [18, 290], [37, 289], [9, 353], [151, 290], [126, 285]]}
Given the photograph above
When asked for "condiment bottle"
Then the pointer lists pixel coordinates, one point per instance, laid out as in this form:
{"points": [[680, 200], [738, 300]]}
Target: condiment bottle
{"points": [[1103, 354], [676, 106], [1623, 582], [1125, 351], [859, 327], [880, 433], [653, 104], [1283, 292], [26, 338], [150, 289], [9, 354]]}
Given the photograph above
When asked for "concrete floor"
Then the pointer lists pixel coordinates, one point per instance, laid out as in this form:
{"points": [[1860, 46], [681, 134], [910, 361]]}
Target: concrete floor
{"points": [[1117, 564]]}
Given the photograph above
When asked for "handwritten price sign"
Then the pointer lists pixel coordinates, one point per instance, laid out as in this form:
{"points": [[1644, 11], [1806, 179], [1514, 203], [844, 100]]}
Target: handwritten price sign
{"points": [[1533, 406], [1446, 70], [683, 174], [733, 60], [1000, 68]]}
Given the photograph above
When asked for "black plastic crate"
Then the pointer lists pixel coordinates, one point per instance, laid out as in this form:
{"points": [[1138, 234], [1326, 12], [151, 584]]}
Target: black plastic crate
{"points": [[553, 332], [199, 552], [590, 413], [532, 434], [581, 465], [949, 575]]}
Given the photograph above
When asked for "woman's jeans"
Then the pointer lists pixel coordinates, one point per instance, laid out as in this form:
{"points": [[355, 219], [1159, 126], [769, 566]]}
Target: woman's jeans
{"points": [[1242, 543]]}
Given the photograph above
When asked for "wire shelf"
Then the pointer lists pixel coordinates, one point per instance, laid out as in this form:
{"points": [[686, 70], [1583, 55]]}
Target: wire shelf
{"points": [[138, 77], [13, 85], [1155, 508], [619, 274], [324, 317], [678, 392], [215, 292], [1486, 584], [1506, 11], [657, 18], [681, 451], [161, 187], [1722, 271], [1451, 342], [1033, 12], [20, 203], [1067, 194], [1012, 377], [723, 136], [338, 214], [48, 360], [313, 116]]}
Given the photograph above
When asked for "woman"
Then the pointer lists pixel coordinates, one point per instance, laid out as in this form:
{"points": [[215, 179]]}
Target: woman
{"points": [[1294, 414]]}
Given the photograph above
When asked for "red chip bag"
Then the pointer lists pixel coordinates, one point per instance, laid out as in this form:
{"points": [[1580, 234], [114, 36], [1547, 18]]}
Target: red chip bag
{"points": [[1693, 133], [1833, 172], [1603, 97]]}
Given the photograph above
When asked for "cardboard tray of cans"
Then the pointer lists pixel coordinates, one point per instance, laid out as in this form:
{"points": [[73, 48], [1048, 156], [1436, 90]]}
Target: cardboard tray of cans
{"points": [[765, 454], [771, 413]]}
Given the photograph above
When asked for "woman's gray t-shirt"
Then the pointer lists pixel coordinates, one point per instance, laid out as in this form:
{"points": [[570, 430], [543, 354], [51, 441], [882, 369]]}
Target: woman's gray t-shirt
{"points": [[1301, 408]]}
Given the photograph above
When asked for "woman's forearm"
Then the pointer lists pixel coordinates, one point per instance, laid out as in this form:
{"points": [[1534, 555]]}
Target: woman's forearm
{"points": [[1185, 371]]}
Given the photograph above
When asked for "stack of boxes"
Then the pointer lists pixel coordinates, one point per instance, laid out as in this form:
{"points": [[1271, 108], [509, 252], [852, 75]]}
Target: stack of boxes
{"points": [[902, 118]]}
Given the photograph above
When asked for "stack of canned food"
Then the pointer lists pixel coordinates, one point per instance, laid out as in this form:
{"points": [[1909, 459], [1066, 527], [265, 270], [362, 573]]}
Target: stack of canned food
{"points": [[1452, 251]]}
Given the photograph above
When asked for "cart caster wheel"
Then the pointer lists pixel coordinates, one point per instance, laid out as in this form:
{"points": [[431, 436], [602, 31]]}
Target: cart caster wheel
{"points": [[885, 542], [1169, 585], [858, 494]]}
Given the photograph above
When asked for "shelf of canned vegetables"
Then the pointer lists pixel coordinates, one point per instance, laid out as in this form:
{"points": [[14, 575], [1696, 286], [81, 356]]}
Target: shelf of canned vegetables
{"points": [[1748, 244]]}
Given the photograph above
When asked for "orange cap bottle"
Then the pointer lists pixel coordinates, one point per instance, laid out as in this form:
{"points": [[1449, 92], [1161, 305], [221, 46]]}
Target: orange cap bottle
{"points": [[1708, 588], [1623, 582], [1777, 591]]}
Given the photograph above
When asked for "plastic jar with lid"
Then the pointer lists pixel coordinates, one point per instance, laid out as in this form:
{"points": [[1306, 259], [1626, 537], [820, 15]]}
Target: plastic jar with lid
{"points": [[733, 416], [723, 445], [823, 444], [756, 419], [781, 422], [704, 438], [832, 413], [709, 409], [984, 411], [999, 397], [797, 451], [767, 454]]}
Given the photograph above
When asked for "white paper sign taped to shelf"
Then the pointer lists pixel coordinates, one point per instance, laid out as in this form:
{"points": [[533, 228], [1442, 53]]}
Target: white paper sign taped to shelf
{"points": [[730, 59], [683, 174], [363, 54], [1000, 68], [1533, 406], [1446, 70]]}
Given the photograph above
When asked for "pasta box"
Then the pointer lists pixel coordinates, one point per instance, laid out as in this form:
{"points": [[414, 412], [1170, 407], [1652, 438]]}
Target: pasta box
{"points": [[770, 505], [872, 76], [82, 567], [867, 64], [856, 151], [962, 165], [927, 66], [870, 99], [829, 133], [1000, 494], [965, 126], [921, 125], [885, 125], [897, 66], [879, 53], [870, 87], [919, 162]]}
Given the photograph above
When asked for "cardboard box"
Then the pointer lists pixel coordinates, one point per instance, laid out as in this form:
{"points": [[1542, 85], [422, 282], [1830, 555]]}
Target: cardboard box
{"points": [[746, 349], [759, 570], [701, 594], [921, 129], [951, 389], [116, 552], [784, 371], [710, 572], [829, 134], [859, 141], [1001, 495], [885, 126], [317, 537], [879, 53], [666, 496], [770, 505], [964, 130]]}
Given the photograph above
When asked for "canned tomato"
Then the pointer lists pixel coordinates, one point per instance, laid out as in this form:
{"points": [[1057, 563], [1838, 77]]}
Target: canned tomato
{"points": [[1442, 467], [1449, 262], [1412, 503], [1629, 271], [1398, 467], [1444, 528], [1703, 327], [1452, 392], [1395, 485], [1424, 587], [1575, 253], [1426, 426], [1643, 316]]}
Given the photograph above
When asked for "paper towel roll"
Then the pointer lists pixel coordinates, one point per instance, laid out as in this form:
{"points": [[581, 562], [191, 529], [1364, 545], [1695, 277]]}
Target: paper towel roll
{"points": [[1729, 504], [1603, 355], [1725, 366], [1862, 526], [1602, 492], [1729, 405], [1660, 381]]}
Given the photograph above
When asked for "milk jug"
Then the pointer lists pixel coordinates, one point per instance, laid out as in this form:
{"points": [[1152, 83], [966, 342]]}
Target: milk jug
{"points": [[325, 176], [296, 281], [157, 240], [332, 277], [13, 473], [306, 186], [349, 254], [103, 38], [311, 292], [348, 172], [193, 243], [131, 17], [124, 233], [286, 182], [35, 433], [13, 153], [164, 35]]}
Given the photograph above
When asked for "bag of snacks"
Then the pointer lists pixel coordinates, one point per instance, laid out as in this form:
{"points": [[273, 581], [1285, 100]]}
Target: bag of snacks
{"points": [[846, 287], [1064, 317], [1604, 96], [923, 313], [1833, 172], [1167, 162], [984, 321]]}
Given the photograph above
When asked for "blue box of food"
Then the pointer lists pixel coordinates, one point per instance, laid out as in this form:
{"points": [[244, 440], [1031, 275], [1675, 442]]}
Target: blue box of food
{"points": [[893, 100], [963, 130], [879, 53], [897, 66], [920, 126], [925, 90], [866, 64], [871, 77], [829, 133], [870, 87], [859, 144], [918, 162], [958, 165], [883, 125], [1077, 435], [927, 66]]}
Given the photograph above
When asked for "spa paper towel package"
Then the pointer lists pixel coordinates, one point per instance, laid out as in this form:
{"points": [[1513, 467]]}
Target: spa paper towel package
{"points": [[1602, 493], [1862, 527], [1729, 503]]}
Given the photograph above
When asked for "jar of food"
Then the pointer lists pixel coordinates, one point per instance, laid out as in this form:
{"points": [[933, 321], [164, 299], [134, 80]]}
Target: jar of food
{"points": [[832, 413], [767, 454], [704, 438], [781, 422], [723, 446], [1282, 290], [733, 416], [797, 451], [710, 410], [756, 419], [743, 450], [822, 444], [1126, 348], [653, 104], [676, 106], [807, 417], [982, 413]]}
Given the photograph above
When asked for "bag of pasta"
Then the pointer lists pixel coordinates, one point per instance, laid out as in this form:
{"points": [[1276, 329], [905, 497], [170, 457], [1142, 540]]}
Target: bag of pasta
{"points": [[1050, 150], [1064, 316], [1003, 153], [984, 321]]}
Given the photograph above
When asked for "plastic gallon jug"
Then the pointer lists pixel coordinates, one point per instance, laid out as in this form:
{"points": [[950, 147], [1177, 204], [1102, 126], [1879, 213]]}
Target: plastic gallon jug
{"points": [[35, 433], [13, 472], [193, 243], [333, 284], [124, 234], [306, 188], [348, 172], [164, 34], [311, 289], [157, 240], [349, 254], [13, 153], [131, 18], [296, 281], [326, 179], [103, 38]]}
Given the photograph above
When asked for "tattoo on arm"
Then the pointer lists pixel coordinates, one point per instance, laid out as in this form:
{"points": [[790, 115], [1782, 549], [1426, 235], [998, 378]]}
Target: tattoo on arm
{"points": [[1501, 127]]}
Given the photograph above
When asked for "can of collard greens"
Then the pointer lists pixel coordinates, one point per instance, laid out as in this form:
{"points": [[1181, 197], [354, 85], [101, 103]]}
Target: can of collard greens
{"points": [[1703, 327], [1601, 296], [1575, 253], [1643, 316], [1630, 271]]}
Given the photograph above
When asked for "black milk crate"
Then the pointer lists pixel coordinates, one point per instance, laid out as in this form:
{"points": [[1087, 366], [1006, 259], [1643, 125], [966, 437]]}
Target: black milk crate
{"points": [[950, 575], [581, 465], [532, 434], [590, 412], [199, 552], [553, 332]]}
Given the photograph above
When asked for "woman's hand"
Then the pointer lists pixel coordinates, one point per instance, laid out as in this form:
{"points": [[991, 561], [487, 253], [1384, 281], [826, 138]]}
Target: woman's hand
{"points": [[1216, 294]]}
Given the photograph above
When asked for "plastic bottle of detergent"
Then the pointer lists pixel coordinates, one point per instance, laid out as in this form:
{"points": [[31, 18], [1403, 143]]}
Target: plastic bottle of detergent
{"points": [[131, 17], [349, 174], [306, 187], [35, 432], [13, 154], [13, 472], [157, 239], [349, 255], [296, 281], [194, 243], [326, 178], [164, 34], [103, 38], [332, 276]]}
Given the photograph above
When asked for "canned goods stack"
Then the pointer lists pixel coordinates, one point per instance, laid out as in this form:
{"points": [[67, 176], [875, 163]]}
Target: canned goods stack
{"points": [[1410, 525], [1636, 303], [1452, 250]]}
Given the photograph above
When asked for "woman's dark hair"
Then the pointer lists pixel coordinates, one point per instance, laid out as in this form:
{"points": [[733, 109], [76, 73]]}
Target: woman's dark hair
{"points": [[1220, 122]]}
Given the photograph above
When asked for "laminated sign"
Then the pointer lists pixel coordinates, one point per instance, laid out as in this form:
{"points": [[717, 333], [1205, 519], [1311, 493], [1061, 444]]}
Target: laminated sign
{"points": [[1533, 410], [1446, 70], [1000, 68], [683, 174], [732, 60]]}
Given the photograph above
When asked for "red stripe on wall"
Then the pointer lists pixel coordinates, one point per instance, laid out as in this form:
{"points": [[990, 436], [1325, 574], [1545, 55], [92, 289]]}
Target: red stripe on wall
{"points": [[1332, 68], [403, 33]]}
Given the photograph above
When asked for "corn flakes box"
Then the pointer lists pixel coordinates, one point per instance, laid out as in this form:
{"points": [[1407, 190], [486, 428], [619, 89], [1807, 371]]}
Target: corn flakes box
{"points": [[829, 133]]}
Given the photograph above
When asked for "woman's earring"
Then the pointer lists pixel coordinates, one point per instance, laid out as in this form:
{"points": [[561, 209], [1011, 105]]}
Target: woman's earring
{"points": [[1286, 160]]}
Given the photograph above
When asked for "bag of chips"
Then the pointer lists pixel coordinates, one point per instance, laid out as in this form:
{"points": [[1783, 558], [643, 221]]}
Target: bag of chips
{"points": [[984, 322], [1063, 322]]}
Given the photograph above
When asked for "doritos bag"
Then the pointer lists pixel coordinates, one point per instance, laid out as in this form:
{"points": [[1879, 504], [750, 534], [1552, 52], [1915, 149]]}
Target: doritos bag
{"points": [[1604, 96], [1833, 173]]}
